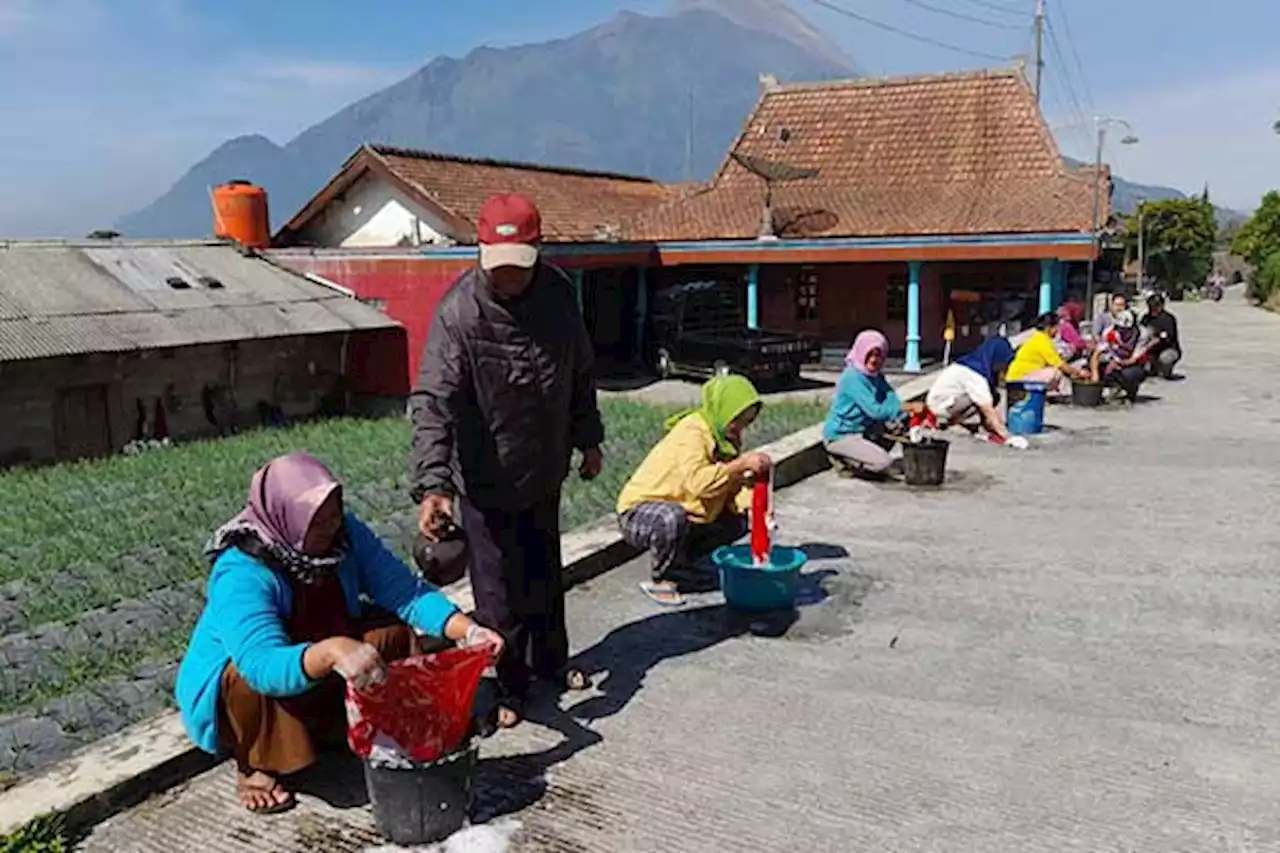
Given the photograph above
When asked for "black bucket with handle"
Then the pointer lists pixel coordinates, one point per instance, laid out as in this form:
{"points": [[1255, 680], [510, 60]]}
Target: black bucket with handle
{"points": [[1086, 394], [924, 463], [415, 805]]}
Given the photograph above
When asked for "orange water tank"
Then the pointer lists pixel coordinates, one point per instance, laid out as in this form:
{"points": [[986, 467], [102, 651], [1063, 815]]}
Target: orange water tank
{"points": [[240, 214]]}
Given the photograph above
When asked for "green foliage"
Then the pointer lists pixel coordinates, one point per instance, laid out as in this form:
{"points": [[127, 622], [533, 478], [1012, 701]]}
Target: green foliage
{"points": [[1259, 237], [1266, 280], [42, 835], [1180, 235]]}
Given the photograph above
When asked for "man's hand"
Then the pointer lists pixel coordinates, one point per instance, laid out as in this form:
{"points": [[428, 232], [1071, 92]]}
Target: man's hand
{"points": [[435, 516], [592, 463]]}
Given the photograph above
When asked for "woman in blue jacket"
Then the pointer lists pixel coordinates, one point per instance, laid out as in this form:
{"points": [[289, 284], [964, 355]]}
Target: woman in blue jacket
{"points": [[864, 410], [284, 624]]}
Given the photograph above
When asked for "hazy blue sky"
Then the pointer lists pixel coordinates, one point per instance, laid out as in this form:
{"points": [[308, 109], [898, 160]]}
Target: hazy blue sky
{"points": [[106, 102]]}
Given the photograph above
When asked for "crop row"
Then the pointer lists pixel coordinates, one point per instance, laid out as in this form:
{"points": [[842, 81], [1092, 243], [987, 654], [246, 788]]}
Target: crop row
{"points": [[78, 537], [50, 732], [56, 657]]}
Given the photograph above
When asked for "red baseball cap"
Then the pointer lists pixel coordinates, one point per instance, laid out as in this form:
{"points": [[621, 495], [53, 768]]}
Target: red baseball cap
{"points": [[510, 231]]}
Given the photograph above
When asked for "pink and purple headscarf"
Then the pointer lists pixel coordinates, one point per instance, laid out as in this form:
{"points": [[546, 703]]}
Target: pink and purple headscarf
{"points": [[864, 344], [284, 497]]}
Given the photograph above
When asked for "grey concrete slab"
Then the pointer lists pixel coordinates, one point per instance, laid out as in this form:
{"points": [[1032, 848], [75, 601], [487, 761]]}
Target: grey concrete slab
{"points": [[1067, 648]]}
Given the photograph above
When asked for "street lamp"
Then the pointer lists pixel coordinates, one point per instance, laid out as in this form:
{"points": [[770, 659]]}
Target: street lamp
{"points": [[1130, 138]]}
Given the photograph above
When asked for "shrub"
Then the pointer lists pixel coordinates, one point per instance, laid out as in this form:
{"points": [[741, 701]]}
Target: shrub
{"points": [[1266, 279]]}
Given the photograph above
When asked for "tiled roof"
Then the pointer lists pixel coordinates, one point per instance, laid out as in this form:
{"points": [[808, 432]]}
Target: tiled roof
{"points": [[575, 203], [947, 154], [69, 298]]}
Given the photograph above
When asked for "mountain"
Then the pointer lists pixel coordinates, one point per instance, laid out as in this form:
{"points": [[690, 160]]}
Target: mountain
{"points": [[1127, 195], [769, 16], [619, 97]]}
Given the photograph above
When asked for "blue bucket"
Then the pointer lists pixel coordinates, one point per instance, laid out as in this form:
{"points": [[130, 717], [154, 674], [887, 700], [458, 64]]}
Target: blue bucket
{"points": [[1026, 417], [759, 588]]}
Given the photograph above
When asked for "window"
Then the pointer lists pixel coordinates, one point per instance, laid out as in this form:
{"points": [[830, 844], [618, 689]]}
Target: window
{"points": [[807, 295], [897, 304]]}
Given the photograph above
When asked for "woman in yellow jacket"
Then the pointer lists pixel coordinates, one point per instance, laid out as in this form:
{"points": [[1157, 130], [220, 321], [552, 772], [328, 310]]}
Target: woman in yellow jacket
{"points": [[688, 494]]}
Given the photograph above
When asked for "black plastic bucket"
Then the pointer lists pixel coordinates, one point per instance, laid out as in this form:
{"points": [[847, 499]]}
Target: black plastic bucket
{"points": [[925, 463], [422, 804], [1087, 394]]}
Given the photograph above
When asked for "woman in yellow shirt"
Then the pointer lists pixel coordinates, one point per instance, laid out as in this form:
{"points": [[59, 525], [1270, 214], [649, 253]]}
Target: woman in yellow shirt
{"points": [[1037, 360], [688, 495]]}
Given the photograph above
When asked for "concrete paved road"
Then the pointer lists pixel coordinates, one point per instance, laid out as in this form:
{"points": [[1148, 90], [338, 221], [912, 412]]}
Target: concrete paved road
{"points": [[1071, 648]]}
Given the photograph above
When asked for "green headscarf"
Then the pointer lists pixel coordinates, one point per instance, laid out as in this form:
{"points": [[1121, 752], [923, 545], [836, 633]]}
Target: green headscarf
{"points": [[723, 399]]}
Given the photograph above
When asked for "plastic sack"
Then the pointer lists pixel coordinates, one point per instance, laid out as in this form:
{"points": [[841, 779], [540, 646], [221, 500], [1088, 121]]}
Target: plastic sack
{"points": [[421, 712]]}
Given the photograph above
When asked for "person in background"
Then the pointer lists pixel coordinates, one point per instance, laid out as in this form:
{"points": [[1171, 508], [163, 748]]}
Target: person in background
{"points": [[1038, 360], [1124, 355], [690, 493], [1071, 344], [285, 623], [865, 410], [1104, 321], [967, 388], [1165, 350], [504, 396]]}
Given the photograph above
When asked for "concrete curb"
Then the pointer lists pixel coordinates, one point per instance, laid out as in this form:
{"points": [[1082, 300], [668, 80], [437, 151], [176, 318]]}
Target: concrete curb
{"points": [[122, 770]]}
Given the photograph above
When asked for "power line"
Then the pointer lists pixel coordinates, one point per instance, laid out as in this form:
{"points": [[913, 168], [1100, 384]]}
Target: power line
{"points": [[1066, 73], [951, 13], [1071, 42], [997, 7], [826, 4]]}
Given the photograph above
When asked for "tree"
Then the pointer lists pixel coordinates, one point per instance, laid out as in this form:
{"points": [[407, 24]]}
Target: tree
{"points": [[1259, 237], [1266, 280], [1179, 235]]}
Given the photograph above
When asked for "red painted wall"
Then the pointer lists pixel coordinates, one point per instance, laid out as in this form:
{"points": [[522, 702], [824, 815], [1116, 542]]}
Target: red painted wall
{"points": [[409, 290]]}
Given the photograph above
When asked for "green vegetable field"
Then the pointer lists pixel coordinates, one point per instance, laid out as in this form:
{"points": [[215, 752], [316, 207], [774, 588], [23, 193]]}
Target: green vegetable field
{"points": [[101, 573]]}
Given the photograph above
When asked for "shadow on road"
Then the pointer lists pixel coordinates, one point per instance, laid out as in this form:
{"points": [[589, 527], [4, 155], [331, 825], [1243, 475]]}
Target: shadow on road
{"points": [[619, 663]]}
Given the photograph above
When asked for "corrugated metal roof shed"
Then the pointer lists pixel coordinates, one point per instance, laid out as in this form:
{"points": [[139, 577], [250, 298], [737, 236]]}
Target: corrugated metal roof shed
{"points": [[68, 298]]}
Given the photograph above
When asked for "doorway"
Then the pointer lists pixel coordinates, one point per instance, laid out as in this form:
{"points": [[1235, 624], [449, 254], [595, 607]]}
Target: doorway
{"points": [[82, 422]]}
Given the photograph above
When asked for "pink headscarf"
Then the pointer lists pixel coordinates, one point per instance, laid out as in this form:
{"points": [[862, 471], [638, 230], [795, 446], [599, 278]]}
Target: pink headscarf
{"points": [[867, 342], [284, 497]]}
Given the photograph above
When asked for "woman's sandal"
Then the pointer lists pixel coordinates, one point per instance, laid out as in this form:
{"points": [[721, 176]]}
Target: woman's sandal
{"points": [[509, 713], [575, 680], [664, 594], [261, 798]]}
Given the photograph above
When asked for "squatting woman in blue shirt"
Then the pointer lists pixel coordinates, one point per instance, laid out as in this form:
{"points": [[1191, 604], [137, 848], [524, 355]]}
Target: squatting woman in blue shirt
{"points": [[285, 624]]}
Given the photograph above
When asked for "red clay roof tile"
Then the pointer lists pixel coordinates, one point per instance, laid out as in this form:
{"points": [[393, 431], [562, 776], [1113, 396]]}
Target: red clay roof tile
{"points": [[574, 203], [946, 154]]}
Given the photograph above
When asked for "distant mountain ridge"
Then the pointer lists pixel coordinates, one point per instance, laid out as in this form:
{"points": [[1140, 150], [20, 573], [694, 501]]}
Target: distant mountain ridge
{"points": [[624, 96]]}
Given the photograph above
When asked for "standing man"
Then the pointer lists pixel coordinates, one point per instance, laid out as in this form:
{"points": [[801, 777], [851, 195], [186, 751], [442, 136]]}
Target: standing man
{"points": [[504, 394], [1165, 350]]}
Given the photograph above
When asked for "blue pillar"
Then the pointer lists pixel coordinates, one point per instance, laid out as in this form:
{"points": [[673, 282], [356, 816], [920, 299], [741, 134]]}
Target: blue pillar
{"points": [[753, 296], [642, 310], [577, 288], [1060, 283], [1047, 267], [913, 317]]}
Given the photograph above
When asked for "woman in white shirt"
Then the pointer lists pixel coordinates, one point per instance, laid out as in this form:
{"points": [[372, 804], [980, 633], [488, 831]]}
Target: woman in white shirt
{"points": [[968, 387]]}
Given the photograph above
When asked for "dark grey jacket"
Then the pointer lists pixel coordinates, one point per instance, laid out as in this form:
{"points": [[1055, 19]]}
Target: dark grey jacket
{"points": [[504, 393]]}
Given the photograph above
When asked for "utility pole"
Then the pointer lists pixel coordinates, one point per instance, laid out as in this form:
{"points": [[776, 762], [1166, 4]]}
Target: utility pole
{"points": [[1039, 46], [1097, 203], [688, 141], [1101, 122], [1142, 256]]}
